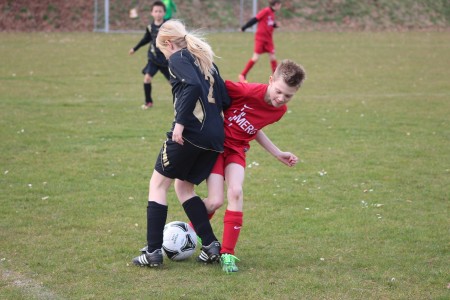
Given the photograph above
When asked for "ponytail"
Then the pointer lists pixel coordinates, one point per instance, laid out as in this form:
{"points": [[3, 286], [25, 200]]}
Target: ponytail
{"points": [[175, 31]]}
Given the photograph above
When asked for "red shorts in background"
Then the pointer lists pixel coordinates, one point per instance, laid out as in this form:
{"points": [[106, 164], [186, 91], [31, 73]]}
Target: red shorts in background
{"points": [[264, 47]]}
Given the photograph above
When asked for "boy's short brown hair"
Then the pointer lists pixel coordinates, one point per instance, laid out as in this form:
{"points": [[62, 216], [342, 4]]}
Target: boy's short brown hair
{"points": [[159, 3], [292, 73], [273, 2]]}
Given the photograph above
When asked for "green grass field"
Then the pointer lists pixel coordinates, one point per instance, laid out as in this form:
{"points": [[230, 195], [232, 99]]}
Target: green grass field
{"points": [[365, 215]]}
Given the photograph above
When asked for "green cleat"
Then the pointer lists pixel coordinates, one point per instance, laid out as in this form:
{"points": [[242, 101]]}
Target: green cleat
{"points": [[228, 263]]}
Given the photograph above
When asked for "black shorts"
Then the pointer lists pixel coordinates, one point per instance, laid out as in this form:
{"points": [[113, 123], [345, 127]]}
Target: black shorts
{"points": [[151, 68], [185, 162]]}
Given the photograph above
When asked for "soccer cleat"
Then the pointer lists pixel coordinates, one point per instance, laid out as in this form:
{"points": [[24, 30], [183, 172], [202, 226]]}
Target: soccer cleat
{"points": [[242, 78], [146, 259], [228, 263], [210, 254], [147, 105]]}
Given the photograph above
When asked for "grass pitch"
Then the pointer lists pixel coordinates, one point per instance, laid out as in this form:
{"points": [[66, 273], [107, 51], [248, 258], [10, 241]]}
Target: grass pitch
{"points": [[365, 215]]}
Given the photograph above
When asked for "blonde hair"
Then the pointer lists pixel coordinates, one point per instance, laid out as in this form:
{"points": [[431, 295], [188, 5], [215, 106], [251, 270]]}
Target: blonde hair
{"points": [[175, 32], [292, 73]]}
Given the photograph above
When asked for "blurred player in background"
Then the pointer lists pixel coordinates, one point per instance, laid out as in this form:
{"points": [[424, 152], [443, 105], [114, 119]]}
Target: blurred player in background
{"points": [[263, 36], [156, 60]]}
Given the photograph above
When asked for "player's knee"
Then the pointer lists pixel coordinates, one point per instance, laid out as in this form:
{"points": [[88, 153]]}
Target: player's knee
{"points": [[234, 193], [183, 191], [147, 78], [213, 203]]}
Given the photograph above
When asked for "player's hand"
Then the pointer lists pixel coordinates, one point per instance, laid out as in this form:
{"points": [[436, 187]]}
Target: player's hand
{"points": [[131, 52], [241, 30], [288, 158], [177, 134]]}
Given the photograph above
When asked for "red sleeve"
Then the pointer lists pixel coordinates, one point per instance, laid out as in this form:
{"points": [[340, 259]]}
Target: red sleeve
{"points": [[235, 89], [262, 13]]}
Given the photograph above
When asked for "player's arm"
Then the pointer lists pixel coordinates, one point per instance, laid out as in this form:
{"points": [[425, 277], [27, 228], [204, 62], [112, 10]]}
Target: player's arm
{"points": [[249, 24], [147, 38], [177, 134], [184, 71], [286, 158], [220, 91]]}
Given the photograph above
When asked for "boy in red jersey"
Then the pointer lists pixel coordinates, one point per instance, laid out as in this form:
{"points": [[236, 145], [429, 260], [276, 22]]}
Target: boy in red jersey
{"points": [[253, 106], [263, 36]]}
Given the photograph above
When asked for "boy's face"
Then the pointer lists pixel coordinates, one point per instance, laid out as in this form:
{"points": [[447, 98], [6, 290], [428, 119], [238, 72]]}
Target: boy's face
{"points": [[158, 13], [276, 7], [278, 92]]}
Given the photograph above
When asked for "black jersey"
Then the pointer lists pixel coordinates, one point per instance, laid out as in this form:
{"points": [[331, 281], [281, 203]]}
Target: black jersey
{"points": [[154, 54], [198, 101]]}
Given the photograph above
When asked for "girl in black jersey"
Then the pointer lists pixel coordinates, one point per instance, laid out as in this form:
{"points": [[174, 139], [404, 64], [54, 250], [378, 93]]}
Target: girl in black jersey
{"points": [[156, 59], [193, 142]]}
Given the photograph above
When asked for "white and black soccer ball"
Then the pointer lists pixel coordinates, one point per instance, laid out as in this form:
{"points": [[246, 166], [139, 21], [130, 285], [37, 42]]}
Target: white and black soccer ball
{"points": [[179, 240]]}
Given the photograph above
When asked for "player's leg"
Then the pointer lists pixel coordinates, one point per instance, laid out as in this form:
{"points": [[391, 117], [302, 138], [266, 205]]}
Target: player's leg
{"points": [[147, 91], [196, 211], [252, 61], [149, 72], [215, 195], [156, 219], [215, 184], [270, 49], [258, 49], [233, 219], [202, 161], [147, 86], [273, 61]]}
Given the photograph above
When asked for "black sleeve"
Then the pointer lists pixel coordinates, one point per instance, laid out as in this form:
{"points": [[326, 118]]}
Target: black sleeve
{"points": [[250, 23], [147, 38], [221, 91], [184, 72]]}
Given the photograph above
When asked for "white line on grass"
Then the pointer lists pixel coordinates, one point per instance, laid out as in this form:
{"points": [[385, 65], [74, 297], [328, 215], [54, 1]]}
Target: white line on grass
{"points": [[28, 286]]}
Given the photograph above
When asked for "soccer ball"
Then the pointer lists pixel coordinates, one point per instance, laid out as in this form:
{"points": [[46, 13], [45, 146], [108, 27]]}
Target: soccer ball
{"points": [[179, 240]]}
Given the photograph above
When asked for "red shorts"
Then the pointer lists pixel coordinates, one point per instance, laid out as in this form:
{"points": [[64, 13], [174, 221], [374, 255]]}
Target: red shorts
{"points": [[264, 47], [229, 155]]}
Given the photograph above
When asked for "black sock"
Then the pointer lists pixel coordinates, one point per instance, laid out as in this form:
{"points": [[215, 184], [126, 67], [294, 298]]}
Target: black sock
{"points": [[156, 219], [148, 92], [196, 211]]}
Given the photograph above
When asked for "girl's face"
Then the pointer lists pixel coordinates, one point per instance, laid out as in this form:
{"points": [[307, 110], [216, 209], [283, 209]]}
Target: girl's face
{"points": [[168, 49], [279, 93]]}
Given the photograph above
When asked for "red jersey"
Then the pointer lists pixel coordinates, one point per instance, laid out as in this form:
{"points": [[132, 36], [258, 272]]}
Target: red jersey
{"points": [[248, 113], [266, 23]]}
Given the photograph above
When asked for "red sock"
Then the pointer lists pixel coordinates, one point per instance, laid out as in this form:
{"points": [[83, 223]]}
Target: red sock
{"points": [[209, 218], [273, 64], [232, 223], [247, 68]]}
